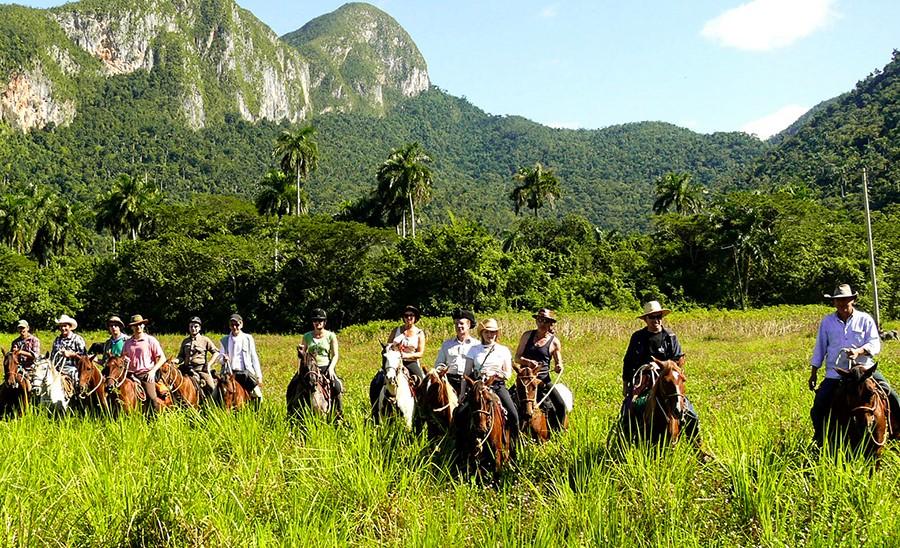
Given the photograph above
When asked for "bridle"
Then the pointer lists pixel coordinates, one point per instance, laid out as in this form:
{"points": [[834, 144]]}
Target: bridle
{"points": [[99, 377]]}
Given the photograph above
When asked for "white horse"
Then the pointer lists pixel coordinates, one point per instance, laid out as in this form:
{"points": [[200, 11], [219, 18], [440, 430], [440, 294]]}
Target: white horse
{"points": [[47, 387], [395, 395]]}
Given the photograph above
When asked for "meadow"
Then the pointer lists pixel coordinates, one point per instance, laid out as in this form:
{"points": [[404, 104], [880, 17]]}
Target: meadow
{"points": [[251, 479]]}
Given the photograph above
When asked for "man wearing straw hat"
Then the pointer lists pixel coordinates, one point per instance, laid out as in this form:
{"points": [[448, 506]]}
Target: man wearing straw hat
{"points": [[846, 337], [67, 346], [145, 356], [28, 345], [652, 344]]}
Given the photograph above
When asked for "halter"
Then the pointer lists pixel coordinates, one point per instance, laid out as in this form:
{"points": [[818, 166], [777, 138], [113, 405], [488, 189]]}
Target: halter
{"points": [[99, 383], [490, 413]]}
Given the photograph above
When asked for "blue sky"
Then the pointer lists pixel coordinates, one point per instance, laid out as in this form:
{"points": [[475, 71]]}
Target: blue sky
{"points": [[706, 65]]}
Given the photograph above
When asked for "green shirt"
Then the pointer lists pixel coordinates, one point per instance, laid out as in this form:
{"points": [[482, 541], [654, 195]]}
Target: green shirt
{"points": [[113, 347], [324, 349]]}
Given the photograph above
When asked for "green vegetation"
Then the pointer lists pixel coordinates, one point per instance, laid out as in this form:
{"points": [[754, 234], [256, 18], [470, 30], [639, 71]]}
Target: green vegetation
{"points": [[249, 479]]}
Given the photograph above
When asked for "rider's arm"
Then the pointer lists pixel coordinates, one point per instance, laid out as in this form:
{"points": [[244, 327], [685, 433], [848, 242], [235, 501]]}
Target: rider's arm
{"points": [[556, 354], [523, 341], [211, 349], [334, 354]]}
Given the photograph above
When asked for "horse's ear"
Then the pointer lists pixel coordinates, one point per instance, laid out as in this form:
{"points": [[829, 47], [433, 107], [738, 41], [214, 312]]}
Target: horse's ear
{"points": [[468, 379], [516, 368], [844, 373]]}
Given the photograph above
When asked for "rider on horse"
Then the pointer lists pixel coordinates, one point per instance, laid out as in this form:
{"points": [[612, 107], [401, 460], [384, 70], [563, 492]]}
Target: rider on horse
{"points": [[453, 352], [238, 352], [845, 337], [67, 347], [535, 350], [654, 343], [492, 362], [192, 357], [28, 345], [410, 341], [145, 356], [322, 345], [115, 344]]}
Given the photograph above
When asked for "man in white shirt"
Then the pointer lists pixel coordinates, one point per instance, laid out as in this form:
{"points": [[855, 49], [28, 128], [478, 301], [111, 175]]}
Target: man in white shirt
{"points": [[238, 354], [452, 355]]}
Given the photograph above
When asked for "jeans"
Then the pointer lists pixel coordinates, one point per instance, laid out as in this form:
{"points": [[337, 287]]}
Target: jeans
{"points": [[512, 414]]}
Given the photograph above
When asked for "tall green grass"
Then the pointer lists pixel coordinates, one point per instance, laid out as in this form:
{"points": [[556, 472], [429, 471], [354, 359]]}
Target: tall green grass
{"points": [[253, 479]]}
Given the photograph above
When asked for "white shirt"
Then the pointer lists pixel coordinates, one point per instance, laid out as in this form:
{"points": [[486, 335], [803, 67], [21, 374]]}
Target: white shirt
{"points": [[241, 352], [491, 360], [453, 354]]}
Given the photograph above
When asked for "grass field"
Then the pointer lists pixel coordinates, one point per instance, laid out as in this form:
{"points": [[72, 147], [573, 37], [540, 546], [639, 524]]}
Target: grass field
{"points": [[248, 479]]}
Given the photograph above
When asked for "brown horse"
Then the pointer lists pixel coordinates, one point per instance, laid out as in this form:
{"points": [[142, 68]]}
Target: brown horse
{"points": [[125, 394], [860, 414], [183, 388], [438, 401], [15, 388], [309, 389], [531, 416], [485, 439], [665, 407], [230, 393], [91, 389]]}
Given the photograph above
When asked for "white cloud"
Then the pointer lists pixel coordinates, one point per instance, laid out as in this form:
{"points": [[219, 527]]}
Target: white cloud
{"points": [[771, 124], [763, 25], [550, 11]]}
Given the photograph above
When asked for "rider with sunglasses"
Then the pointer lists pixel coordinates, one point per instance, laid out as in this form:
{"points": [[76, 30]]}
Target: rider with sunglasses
{"points": [[536, 349]]}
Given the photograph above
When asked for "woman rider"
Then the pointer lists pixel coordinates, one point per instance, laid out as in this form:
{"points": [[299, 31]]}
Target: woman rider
{"points": [[410, 341], [536, 348], [492, 362], [322, 345]]}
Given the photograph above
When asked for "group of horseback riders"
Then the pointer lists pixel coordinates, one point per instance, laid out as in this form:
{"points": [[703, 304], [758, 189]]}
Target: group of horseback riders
{"points": [[144, 356]]}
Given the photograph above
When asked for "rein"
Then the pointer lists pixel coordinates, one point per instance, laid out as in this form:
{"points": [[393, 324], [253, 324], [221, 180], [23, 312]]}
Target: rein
{"points": [[99, 382]]}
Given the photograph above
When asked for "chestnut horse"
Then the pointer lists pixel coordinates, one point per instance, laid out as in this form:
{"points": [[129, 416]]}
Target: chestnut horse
{"points": [[485, 440], [125, 394], [230, 393], [531, 416], [438, 401], [91, 389], [184, 388], [665, 407], [15, 388], [309, 389], [860, 414]]}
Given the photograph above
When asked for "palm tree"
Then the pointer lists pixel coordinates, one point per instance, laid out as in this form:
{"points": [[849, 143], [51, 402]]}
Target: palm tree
{"points": [[679, 192], [56, 227], [16, 221], [128, 207], [538, 187], [405, 177], [299, 156], [275, 199]]}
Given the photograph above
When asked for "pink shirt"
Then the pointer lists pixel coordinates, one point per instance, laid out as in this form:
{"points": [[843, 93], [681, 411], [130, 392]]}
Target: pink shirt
{"points": [[142, 354]]}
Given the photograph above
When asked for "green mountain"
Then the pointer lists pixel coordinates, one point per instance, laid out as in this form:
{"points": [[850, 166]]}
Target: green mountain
{"points": [[859, 129]]}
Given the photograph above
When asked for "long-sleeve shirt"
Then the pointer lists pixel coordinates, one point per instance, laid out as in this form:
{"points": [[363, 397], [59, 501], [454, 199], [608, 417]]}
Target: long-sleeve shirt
{"points": [[859, 331], [142, 354], [453, 354], [241, 353], [74, 343], [29, 344], [491, 360]]}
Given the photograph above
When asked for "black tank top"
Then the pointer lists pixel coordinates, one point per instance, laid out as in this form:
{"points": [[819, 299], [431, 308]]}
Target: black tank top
{"points": [[540, 354]]}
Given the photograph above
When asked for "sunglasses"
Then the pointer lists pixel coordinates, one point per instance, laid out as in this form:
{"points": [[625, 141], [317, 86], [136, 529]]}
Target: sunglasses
{"points": [[409, 315], [657, 317]]}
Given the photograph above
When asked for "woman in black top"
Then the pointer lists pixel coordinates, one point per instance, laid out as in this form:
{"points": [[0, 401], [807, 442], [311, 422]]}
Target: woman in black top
{"points": [[536, 349]]}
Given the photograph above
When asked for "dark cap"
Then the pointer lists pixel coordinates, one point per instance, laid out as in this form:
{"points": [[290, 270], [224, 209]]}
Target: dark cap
{"points": [[459, 314], [235, 318], [414, 310], [317, 314], [196, 320]]}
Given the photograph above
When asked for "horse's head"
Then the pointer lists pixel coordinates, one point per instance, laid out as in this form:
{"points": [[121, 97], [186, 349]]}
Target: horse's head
{"points": [[116, 369], [527, 385], [391, 364], [669, 393], [88, 374], [860, 395]]}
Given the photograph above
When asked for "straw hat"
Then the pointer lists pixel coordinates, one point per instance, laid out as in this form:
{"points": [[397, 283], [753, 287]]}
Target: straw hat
{"points": [[653, 307], [115, 320], [66, 319], [137, 319], [544, 314], [489, 324], [842, 291]]}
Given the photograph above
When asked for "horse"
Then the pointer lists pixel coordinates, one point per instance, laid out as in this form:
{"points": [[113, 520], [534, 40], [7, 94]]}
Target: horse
{"points": [[396, 395], [309, 389], [229, 392], [860, 413], [15, 388], [483, 437], [91, 389], [438, 400], [184, 388], [124, 394], [531, 416], [48, 387], [665, 407]]}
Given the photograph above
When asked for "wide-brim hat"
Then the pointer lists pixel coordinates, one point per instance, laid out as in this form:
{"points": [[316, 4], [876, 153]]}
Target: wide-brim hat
{"points": [[21, 323], [317, 314], [413, 309], [489, 324], [544, 314], [653, 307], [66, 319], [460, 314], [842, 291], [137, 319], [115, 320]]}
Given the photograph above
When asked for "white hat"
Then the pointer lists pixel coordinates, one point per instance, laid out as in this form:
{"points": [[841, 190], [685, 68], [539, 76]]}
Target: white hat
{"points": [[841, 292], [653, 307], [21, 323], [65, 318]]}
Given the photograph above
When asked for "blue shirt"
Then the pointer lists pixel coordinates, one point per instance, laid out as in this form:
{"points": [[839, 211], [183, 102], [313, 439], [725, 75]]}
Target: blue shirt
{"points": [[859, 331]]}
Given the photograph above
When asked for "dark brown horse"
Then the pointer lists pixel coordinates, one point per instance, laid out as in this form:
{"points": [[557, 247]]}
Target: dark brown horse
{"points": [[184, 388], [531, 416], [665, 407], [91, 389], [860, 414], [309, 389], [230, 393], [485, 439], [15, 388], [437, 401]]}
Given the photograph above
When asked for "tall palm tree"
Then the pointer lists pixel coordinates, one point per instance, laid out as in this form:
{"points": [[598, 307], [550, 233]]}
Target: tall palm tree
{"points": [[56, 227], [275, 199], [128, 207], [405, 178], [678, 192], [538, 187], [16, 221], [298, 155]]}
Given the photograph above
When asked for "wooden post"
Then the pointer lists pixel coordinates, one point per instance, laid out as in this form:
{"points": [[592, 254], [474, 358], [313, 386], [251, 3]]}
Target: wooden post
{"points": [[871, 248]]}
